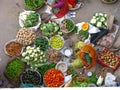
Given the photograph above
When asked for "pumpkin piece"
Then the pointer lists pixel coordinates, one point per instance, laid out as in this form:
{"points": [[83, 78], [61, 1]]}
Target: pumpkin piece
{"points": [[85, 26], [92, 52]]}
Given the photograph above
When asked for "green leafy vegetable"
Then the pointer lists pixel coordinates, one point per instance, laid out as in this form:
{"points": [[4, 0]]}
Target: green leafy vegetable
{"points": [[14, 68], [42, 43], [31, 20], [87, 57], [79, 84], [48, 29], [75, 30], [72, 71], [42, 69], [70, 24], [84, 34], [92, 79], [33, 4]]}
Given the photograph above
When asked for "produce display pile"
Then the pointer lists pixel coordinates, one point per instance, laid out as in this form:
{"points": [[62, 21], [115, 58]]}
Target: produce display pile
{"points": [[43, 56]]}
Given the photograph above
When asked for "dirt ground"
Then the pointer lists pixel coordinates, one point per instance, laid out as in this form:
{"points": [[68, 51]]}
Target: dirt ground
{"points": [[9, 26]]}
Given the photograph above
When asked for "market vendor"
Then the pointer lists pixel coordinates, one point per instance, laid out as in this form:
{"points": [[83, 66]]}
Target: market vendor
{"points": [[59, 8]]}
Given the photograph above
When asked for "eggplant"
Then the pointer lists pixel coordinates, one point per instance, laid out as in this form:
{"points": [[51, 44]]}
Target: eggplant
{"points": [[95, 37]]}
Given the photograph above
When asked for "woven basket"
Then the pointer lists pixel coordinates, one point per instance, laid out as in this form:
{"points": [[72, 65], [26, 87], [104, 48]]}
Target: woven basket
{"points": [[16, 83]]}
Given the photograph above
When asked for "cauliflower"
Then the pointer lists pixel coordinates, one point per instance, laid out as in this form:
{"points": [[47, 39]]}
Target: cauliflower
{"points": [[93, 21], [99, 24]]}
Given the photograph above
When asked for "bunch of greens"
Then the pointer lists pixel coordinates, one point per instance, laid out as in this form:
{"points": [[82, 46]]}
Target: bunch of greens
{"points": [[31, 19], [34, 57], [79, 84], [70, 24], [72, 71], [42, 43], [33, 4], [42, 69], [75, 30], [14, 68], [87, 57], [92, 79], [84, 34], [31, 77], [48, 29]]}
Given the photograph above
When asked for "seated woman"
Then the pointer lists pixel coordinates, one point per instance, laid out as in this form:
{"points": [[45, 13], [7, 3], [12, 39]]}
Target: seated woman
{"points": [[59, 8]]}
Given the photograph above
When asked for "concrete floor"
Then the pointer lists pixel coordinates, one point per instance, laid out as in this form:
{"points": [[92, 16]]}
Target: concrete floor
{"points": [[9, 26]]}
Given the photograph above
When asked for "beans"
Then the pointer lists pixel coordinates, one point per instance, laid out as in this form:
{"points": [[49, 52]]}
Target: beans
{"points": [[25, 36], [56, 42]]}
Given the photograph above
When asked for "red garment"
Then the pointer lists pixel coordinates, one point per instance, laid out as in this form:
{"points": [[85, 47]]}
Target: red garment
{"points": [[72, 3], [63, 10]]}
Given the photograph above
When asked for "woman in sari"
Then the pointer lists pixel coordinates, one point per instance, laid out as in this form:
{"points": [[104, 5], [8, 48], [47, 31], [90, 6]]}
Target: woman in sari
{"points": [[59, 8]]}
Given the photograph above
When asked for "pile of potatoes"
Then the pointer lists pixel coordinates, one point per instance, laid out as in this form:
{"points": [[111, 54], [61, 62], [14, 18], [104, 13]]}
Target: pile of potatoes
{"points": [[109, 58], [26, 36]]}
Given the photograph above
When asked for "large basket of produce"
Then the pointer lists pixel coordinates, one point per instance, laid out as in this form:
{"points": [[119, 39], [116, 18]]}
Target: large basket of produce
{"points": [[53, 78], [31, 77], [13, 71], [67, 26], [34, 57], [25, 36], [33, 4], [49, 29], [109, 59], [53, 55], [30, 19], [57, 42], [42, 42]]}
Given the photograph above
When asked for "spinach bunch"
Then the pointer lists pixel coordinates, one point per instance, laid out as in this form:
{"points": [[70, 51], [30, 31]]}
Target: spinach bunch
{"points": [[31, 20], [79, 84], [42, 43], [33, 4], [14, 68], [42, 69], [92, 79], [72, 71], [70, 24]]}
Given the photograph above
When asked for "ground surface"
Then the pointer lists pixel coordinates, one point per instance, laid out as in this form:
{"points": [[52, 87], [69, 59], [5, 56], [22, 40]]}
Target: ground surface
{"points": [[9, 26]]}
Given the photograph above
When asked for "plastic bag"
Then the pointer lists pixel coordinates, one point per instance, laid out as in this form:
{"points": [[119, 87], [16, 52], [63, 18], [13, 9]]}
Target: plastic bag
{"points": [[110, 80]]}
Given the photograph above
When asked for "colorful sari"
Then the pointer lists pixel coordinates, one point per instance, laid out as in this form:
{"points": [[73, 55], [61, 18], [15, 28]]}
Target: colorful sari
{"points": [[63, 10]]}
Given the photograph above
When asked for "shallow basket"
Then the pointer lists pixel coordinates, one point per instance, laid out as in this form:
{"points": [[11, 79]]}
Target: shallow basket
{"points": [[45, 82], [22, 24], [32, 71], [16, 83], [70, 30], [14, 40], [62, 40]]}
